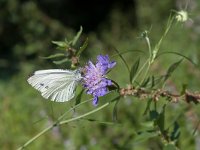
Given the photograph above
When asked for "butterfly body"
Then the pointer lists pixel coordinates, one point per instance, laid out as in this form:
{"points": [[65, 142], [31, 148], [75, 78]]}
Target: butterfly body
{"points": [[56, 84]]}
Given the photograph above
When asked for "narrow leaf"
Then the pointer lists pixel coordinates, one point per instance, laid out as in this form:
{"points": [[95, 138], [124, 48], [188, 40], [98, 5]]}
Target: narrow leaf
{"points": [[152, 81], [114, 116], [153, 114], [78, 98], [54, 56], [145, 82], [101, 122], [134, 69], [61, 61], [122, 58], [82, 48], [144, 136], [77, 36], [161, 120], [171, 69], [170, 147], [176, 131], [127, 51], [60, 44], [179, 54], [147, 107]]}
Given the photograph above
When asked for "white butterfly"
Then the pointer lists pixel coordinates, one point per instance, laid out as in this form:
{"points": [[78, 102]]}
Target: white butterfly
{"points": [[56, 84]]}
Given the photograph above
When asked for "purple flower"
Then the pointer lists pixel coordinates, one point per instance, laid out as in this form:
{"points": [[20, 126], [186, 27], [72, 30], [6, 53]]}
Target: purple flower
{"points": [[94, 79]]}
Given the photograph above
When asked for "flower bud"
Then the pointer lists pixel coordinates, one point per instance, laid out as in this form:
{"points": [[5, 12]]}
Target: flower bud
{"points": [[181, 16]]}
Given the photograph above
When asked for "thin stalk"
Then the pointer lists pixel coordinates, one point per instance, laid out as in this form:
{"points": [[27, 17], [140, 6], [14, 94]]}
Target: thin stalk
{"points": [[157, 47], [56, 123], [149, 60], [84, 115]]}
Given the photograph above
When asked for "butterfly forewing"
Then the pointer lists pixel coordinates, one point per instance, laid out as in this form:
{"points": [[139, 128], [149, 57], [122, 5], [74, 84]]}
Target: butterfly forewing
{"points": [[56, 84]]}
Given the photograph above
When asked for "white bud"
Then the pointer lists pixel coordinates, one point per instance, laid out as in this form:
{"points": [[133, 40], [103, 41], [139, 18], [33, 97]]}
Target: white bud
{"points": [[182, 16]]}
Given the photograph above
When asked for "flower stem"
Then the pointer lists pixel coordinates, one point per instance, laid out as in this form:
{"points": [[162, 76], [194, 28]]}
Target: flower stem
{"points": [[58, 122]]}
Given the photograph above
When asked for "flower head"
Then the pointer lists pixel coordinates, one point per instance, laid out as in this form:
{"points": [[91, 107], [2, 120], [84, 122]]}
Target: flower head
{"points": [[182, 16], [94, 79]]}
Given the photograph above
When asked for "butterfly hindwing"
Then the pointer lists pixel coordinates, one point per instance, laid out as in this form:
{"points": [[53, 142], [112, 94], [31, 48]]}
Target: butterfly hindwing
{"points": [[55, 84]]}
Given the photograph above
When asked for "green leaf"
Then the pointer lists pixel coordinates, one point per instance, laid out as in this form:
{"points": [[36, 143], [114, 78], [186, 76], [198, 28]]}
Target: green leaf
{"points": [[176, 132], [101, 122], [184, 87], [161, 120], [114, 116], [60, 44], [82, 48], [144, 136], [78, 98], [122, 58], [179, 54], [54, 56], [171, 69], [61, 61], [75, 39], [170, 147], [147, 107], [134, 69], [152, 81], [148, 124], [127, 51], [153, 115], [145, 82]]}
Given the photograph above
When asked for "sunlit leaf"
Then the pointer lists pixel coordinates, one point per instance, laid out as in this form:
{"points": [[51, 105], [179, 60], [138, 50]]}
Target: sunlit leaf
{"points": [[60, 44], [54, 56], [75, 39], [134, 69], [149, 124], [61, 61]]}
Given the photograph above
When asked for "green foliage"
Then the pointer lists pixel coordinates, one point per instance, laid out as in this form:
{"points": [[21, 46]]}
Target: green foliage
{"points": [[26, 32], [134, 69]]}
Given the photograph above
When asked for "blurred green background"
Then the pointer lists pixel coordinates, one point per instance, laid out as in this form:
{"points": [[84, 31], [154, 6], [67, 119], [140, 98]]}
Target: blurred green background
{"points": [[26, 31]]}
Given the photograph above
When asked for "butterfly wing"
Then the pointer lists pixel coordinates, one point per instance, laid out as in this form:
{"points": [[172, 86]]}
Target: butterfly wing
{"points": [[55, 84]]}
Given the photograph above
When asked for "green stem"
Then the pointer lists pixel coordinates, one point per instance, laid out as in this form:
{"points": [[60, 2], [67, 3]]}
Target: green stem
{"points": [[149, 46], [56, 123], [84, 115], [35, 137], [149, 60], [157, 47]]}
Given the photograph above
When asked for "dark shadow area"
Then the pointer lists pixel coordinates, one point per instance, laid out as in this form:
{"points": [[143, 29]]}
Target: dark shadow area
{"points": [[88, 13]]}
